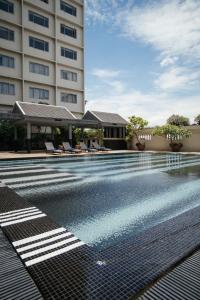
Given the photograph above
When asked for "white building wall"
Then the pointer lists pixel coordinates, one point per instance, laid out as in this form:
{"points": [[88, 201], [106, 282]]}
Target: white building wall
{"points": [[24, 54]]}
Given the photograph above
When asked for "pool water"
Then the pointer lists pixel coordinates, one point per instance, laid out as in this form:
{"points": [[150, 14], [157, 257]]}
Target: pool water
{"points": [[104, 199]]}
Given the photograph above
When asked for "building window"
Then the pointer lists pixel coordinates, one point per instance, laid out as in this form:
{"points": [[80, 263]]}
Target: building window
{"points": [[68, 8], [39, 69], [68, 53], [68, 98], [38, 93], [6, 34], [68, 30], [68, 75], [38, 44], [7, 6], [7, 61], [45, 1], [7, 88], [38, 19]]}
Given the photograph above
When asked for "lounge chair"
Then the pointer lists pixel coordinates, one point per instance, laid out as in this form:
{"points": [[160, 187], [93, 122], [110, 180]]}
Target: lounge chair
{"points": [[85, 148], [100, 148], [50, 148], [67, 147]]}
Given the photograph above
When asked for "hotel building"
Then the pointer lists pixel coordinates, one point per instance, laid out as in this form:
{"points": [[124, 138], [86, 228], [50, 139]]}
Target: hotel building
{"points": [[42, 53]]}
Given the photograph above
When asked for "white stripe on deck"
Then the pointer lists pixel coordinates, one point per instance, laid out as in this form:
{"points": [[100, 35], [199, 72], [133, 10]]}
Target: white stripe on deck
{"points": [[17, 210], [53, 254], [58, 237], [21, 167], [37, 183], [23, 179], [47, 248], [40, 170], [22, 220], [38, 236], [20, 216]]}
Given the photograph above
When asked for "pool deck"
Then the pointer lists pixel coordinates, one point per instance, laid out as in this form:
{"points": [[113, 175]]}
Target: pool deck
{"points": [[63, 267], [41, 154]]}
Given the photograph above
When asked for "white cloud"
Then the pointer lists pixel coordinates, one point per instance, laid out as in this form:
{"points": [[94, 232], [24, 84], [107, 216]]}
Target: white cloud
{"points": [[105, 73], [172, 26], [155, 107], [178, 78], [167, 61]]}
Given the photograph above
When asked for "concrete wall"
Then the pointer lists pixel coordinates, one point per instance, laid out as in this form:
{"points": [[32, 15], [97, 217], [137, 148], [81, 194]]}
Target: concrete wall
{"points": [[157, 143]]}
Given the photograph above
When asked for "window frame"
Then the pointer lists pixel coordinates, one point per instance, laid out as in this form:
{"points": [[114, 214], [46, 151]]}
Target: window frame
{"points": [[34, 17], [64, 98], [10, 6], [33, 41], [73, 55], [10, 61], [69, 31], [68, 8], [9, 88], [41, 92], [34, 66], [10, 34], [66, 74]]}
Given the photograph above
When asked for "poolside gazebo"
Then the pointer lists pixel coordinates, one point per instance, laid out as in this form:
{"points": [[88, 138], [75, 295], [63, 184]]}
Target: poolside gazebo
{"points": [[113, 125], [47, 115]]}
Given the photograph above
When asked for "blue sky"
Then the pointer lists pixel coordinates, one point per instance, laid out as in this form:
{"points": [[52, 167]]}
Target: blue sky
{"points": [[143, 57]]}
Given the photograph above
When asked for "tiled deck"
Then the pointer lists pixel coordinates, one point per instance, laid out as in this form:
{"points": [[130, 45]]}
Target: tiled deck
{"points": [[65, 268], [181, 283], [15, 281], [43, 154]]}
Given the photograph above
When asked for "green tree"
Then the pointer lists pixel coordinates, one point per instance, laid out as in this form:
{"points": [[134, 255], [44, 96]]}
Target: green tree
{"points": [[96, 134], [171, 132], [78, 135], [134, 127], [197, 120], [178, 120]]}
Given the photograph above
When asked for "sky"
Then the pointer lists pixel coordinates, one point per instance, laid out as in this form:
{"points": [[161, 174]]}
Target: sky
{"points": [[142, 57]]}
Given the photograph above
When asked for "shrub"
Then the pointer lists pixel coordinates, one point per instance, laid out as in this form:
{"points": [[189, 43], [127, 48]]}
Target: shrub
{"points": [[178, 120], [197, 120]]}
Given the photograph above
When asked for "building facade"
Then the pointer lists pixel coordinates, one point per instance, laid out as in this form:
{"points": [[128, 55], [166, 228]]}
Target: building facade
{"points": [[42, 53]]}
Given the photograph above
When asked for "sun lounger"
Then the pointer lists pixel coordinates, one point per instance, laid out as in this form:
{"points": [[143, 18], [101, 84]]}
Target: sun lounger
{"points": [[67, 147], [50, 148], [100, 148], [85, 148]]}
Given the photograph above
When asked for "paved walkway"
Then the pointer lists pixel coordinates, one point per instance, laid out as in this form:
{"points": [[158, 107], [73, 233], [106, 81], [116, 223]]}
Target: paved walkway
{"points": [[43, 154]]}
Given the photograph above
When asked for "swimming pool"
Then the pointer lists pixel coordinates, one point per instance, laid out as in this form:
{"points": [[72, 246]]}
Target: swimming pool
{"points": [[106, 198]]}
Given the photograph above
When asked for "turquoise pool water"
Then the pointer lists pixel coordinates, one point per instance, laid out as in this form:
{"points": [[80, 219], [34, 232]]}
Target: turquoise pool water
{"points": [[107, 198]]}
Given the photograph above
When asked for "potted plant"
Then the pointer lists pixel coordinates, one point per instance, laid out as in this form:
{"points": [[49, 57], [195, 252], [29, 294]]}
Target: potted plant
{"points": [[173, 133], [77, 135], [134, 127]]}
